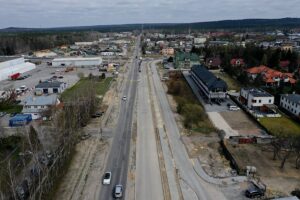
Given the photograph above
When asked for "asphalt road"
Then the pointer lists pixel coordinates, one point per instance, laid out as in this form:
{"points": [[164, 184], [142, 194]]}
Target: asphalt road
{"points": [[193, 187], [148, 178], [118, 158]]}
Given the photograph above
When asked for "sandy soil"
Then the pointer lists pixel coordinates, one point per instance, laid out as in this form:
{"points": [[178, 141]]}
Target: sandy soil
{"points": [[240, 122], [278, 181]]}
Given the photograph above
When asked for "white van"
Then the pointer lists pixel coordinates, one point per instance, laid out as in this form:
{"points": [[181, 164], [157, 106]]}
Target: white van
{"points": [[233, 108]]}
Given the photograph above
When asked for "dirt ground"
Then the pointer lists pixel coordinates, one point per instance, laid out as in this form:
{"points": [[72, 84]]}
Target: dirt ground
{"points": [[208, 149], [278, 181], [239, 121]]}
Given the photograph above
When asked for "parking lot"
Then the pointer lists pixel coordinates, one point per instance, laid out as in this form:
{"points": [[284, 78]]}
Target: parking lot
{"points": [[44, 72], [232, 122]]}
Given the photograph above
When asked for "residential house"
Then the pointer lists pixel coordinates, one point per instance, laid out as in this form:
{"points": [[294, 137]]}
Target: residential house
{"points": [[270, 76], [256, 99], [210, 85], [167, 51], [36, 105], [50, 87], [213, 63], [186, 60], [237, 62], [291, 103]]}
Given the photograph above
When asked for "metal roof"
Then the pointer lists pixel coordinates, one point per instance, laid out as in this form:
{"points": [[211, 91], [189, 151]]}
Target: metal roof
{"points": [[40, 100], [49, 84], [208, 78], [257, 92]]}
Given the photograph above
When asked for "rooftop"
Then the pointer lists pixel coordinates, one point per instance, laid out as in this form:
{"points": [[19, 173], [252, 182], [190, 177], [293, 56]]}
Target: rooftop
{"points": [[257, 92], [41, 100], [48, 84], [8, 58], [77, 59], [292, 97], [208, 78]]}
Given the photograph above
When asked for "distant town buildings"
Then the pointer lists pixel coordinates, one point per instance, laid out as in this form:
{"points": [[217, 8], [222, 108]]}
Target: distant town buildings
{"points": [[186, 60]]}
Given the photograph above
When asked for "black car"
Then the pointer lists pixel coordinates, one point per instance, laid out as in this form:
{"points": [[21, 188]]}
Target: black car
{"points": [[254, 192], [97, 114]]}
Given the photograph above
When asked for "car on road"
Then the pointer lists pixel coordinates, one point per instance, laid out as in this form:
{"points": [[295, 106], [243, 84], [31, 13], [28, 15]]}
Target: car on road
{"points": [[254, 192], [232, 107], [106, 178], [118, 191], [124, 98]]}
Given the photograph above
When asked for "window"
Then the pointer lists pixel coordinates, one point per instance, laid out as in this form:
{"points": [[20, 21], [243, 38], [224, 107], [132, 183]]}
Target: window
{"points": [[259, 101], [35, 106], [42, 106], [270, 100]]}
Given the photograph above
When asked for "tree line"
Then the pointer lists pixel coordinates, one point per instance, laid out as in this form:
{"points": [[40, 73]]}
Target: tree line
{"points": [[17, 43]]}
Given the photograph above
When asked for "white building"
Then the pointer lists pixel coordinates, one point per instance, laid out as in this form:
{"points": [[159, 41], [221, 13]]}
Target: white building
{"points": [[10, 67], [291, 103], [200, 40], [77, 61], [255, 98], [47, 87], [37, 105], [107, 53]]}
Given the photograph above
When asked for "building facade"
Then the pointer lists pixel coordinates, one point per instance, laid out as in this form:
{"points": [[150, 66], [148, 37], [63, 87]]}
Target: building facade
{"points": [[186, 60], [291, 103], [256, 99], [211, 86], [77, 61], [50, 87]]}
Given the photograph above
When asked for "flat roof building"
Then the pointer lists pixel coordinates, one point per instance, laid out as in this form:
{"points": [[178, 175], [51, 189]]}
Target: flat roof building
{"points": [[77, 61], [9, 67]]}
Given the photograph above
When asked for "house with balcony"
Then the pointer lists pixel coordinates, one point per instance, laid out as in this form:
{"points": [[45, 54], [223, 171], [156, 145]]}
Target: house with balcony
{"points": [[257, 100], [184, 60]]}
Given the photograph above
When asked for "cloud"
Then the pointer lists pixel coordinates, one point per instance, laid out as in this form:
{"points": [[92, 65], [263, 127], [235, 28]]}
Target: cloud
{"points": [[52, 13]]}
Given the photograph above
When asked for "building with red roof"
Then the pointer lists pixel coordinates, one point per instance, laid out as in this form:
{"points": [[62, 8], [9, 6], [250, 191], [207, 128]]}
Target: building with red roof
{"points": [[237, 62], [270, 76]]}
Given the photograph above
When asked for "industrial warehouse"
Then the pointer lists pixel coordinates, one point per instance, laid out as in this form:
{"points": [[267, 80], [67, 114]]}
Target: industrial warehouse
{"points": [[77, 61], [13, 67]]}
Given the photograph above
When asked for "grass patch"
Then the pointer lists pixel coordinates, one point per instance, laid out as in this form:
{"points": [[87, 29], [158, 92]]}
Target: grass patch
{"points": [[232, 83], [281, 126], [101, 87], [11, 108], [194, 115]]}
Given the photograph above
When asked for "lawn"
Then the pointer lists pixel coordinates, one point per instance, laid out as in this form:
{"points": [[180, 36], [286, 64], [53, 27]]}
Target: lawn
{"points": [[100, 85], [281, 126], [13, 108], [232, 83]]}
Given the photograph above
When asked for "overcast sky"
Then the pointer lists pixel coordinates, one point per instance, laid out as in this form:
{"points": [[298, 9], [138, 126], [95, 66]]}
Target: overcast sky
{"points": [[54, 13]]}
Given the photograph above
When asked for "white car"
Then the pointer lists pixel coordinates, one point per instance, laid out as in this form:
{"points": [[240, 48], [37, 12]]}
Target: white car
{"points": [[124, 98], [107, 178], [118, 191]]}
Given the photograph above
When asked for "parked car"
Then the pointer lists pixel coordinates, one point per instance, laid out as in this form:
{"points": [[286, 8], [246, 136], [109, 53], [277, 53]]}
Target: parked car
{"points": [[60, 77], [254, 192], [118, 191], [124, 98], [106, 178]]}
